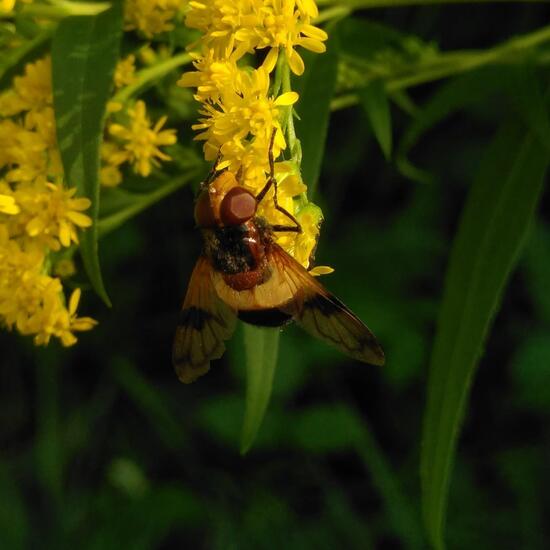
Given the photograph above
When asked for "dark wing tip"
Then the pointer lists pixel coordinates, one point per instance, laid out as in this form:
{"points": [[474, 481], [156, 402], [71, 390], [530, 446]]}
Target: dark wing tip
{"points": [[188, 373], [375, 355]]}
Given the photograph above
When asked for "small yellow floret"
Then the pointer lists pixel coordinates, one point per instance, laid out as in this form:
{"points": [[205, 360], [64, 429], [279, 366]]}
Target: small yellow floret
{"points": [[124, 71], [151, 17], [140, 141]]}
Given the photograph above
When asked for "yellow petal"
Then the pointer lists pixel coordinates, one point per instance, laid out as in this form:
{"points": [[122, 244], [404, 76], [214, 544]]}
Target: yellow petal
{"points": [[34, 227], [73, 301], [81, 203], [7, 5], [83, 323], [64, 233], [288, 98], [321, 270], [68, 339], [314, 32], [271, 59], [309, 7], [113, 106], [8, 205], [296, 63], [312, 44], [79, 219]]}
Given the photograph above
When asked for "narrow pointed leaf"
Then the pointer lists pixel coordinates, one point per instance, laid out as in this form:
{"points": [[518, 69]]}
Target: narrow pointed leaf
{"points": [[377, 107], [84, 54], [528, 98], [261, 348], [497, 215]]}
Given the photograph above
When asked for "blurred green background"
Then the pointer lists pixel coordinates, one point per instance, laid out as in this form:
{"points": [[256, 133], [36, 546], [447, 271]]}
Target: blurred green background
{"points": [[102, 447]]}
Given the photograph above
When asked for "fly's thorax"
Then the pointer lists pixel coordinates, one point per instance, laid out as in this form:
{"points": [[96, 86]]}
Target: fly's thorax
{"points": [[234, 249]]}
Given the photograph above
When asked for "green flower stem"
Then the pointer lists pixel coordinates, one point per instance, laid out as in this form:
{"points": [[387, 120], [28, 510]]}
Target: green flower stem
{"points": [[146, 77], [344, 101], [337, 12], [453, 63], [278, 75], [293, 142], [61, 9]]}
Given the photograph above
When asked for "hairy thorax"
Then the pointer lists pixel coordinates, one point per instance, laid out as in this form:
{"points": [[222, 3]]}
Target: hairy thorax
{"points": [[239, 253]]}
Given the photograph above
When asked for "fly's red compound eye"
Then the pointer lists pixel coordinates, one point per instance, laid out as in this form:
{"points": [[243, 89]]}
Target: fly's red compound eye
{"points": [[238, 206]]}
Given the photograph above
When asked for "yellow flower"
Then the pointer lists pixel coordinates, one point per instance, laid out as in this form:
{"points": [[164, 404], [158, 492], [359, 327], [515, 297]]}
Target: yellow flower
{"points": [[61, 322], [241, 122], [211, 76], [8, 205], [110, 176], [151, 17], [32, 91], [124, 72], [50, 214], [238, 116], [310, 218], [22, 151], [31, 301], [6, 5], [233, 28], [112, 156], [140, 141]]}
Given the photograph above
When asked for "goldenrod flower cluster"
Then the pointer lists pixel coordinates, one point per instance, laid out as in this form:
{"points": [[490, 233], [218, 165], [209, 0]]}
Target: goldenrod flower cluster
{"points": [[40, 216], [38, 213], [151, 17], [239, 111], [131, 138]]}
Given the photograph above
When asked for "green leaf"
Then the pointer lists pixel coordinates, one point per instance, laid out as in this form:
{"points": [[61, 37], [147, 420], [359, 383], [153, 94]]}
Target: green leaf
{"points": [[316, 87], [530, 369], [365, 40], [325, 428], [537, 270], [119, 205], [261, 348], [151, 402], [375, 102], [84, 54], [337, 428], [15, 530], [527, 96], [498, 213], [453, 96]]}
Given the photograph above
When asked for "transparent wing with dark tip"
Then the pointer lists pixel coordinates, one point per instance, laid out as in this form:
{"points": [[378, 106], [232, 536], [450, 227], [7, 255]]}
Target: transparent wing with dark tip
{"points": [[323, 315], [204, 323]]}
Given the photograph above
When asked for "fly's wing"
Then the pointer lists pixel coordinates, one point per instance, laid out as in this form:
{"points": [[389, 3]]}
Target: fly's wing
{"points": [[204, 323], [323, 315]]}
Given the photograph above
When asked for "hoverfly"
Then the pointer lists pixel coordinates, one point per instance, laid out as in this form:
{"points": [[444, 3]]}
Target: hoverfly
{"points": [[242, 273]]}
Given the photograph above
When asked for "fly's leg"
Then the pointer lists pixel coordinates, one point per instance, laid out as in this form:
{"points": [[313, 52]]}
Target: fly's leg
{"points": [[271, 181]]}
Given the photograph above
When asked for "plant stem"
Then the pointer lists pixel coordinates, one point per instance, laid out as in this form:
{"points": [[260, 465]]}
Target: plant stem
{"points": [[336, 12], [293, 142], [453, 63], [60, 10], [146, 77]]}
